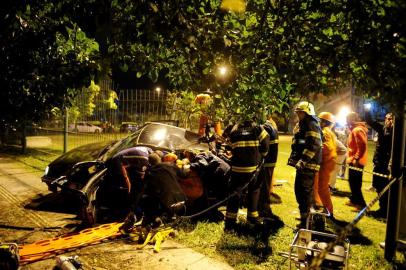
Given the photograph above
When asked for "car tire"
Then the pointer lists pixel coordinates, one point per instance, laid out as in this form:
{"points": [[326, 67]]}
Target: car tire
{"points": [[89, 212], [96, 131], [52, 188]]}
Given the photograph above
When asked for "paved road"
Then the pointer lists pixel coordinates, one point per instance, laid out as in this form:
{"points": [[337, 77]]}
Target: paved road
{"points": [[25, 202]]}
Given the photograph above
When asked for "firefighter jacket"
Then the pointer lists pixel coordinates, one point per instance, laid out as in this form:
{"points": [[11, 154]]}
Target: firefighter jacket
{"points": [[329, 148], [214, 172], [161, 185], [384, 143], [357, 143], [210, 166], [306, 144], [272, 156], [249, 143]]}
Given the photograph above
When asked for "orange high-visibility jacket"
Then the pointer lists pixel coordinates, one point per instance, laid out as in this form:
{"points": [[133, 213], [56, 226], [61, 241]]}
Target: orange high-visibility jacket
{"points": [[357, 144], [329, 148]]}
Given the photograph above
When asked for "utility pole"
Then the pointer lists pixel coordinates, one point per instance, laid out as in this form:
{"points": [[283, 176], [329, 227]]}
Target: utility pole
{"points": [[398, 163], [65, 129]]}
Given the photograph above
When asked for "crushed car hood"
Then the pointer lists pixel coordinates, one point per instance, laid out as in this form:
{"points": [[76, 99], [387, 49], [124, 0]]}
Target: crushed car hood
{"points": [[87, 152]]}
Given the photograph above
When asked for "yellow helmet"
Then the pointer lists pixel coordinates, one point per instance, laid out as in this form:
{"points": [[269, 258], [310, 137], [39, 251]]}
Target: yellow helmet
{"points": [[306, 107], [328, 117]]}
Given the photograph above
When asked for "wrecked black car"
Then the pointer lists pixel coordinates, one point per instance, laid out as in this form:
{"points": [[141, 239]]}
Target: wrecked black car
{"points": [[83, 172]]}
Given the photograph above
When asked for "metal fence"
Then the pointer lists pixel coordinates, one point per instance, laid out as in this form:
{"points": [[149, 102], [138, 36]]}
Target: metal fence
{"points": [[110, 114]]}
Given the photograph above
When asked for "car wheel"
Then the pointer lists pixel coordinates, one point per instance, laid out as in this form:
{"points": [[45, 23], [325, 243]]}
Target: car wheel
{"points": [[89, 212], [52, 188], [96, 131]]}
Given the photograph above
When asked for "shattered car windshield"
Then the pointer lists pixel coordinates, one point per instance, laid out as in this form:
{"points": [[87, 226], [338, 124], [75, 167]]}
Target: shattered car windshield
{"points": [[157, 136]]}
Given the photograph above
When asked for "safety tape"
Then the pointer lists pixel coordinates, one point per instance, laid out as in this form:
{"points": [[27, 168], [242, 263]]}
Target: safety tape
{"points": [[318, 260], [369, 172]]}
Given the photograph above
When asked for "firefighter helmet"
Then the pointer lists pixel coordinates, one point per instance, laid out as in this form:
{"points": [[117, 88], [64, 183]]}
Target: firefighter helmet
{"points": [[328, 117], [170, 157], [306, 107]]}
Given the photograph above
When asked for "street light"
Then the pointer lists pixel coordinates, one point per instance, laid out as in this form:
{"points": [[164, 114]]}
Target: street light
{"points": [[223, 71], [158, 89], [368, 106], [342, 115]]}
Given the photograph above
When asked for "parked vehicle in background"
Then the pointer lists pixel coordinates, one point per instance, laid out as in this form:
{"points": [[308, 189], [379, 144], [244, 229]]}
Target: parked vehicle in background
{"points": [[85, 127], [128, 127]]}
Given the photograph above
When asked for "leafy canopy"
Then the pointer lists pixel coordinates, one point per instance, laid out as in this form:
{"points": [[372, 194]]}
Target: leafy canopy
{"points": [[45, 59]]}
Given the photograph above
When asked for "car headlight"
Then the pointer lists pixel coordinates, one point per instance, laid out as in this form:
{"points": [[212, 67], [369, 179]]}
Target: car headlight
{"points": [[46, 170]]}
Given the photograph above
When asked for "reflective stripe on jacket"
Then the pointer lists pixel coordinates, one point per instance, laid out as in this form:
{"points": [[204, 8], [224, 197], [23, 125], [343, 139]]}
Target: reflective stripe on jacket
{"points": [[306, 144], [249, 143], [272, 156]]}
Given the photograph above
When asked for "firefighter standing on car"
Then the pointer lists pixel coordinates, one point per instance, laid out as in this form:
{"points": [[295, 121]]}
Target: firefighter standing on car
{"points": [[329, 159], [305, 157], [249, 143]]}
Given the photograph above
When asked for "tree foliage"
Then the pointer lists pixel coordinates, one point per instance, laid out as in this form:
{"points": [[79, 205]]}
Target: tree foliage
{"points": [[377, 45], [275, 51], [45, 59]]}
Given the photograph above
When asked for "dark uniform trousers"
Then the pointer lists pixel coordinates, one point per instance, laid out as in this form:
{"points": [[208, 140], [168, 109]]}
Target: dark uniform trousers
{"points": [[304, 181], [238, 181], [355, 181], [265, 177]]}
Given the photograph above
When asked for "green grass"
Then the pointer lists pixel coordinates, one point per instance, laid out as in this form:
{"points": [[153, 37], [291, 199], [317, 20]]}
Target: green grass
{"points": [[240, 251]]}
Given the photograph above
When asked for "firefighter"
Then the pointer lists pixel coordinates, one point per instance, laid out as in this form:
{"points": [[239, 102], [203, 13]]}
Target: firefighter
{"points": [[305, 157], [159, 193], [328, 162], [214, 173], [266, 174], [357, 159], [129, 165], [249, 143]]}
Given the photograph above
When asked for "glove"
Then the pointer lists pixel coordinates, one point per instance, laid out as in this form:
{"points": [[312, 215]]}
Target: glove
{"points": [[300, 165], [355, 162], [128, 223]]}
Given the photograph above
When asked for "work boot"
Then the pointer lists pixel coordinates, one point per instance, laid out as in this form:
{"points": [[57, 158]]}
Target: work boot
{"points": [[256, 221], [266, 211], [303, 222], [128, 223], [230, 225]]}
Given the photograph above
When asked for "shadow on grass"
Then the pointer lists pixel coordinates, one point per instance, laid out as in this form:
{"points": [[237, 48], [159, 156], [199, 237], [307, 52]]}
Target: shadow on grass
{"points": [[399, 265], [248, 242], [355, 236], [341, 193]]}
